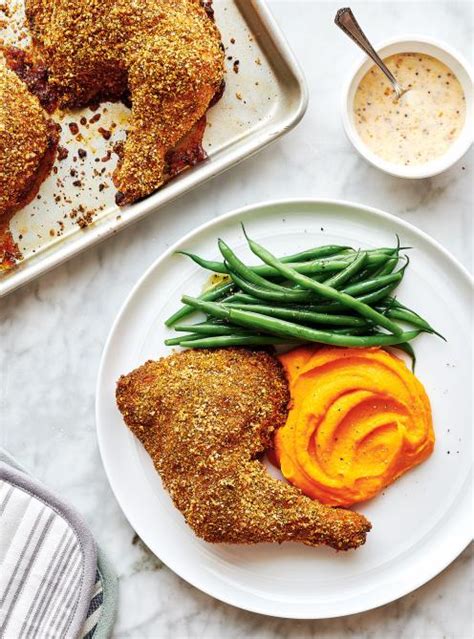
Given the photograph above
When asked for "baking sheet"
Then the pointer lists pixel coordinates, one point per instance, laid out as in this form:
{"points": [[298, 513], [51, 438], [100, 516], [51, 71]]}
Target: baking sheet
{"points": [[265, 97]]}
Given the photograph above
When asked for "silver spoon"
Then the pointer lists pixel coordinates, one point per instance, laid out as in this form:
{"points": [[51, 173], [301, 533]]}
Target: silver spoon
{"points": [[346, 21]]}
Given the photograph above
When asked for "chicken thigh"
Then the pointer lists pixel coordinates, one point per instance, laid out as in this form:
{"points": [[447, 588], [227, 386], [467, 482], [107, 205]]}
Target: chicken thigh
{"points": [[28, 141], [205, 417], [165, 56]]}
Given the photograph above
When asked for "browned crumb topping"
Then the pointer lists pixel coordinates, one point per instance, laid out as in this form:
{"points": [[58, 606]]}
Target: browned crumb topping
{"points": [[105, 133], [62, 153], [205, 416], [73, 127]]}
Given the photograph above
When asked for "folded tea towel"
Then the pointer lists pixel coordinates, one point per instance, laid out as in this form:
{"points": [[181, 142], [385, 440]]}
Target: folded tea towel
{"points": [[103, 605], [53, 582]]}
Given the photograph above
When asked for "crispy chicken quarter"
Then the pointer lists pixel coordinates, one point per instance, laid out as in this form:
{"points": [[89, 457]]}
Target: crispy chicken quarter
{"points": [[164, 55], [28, 140], [205, 417]]}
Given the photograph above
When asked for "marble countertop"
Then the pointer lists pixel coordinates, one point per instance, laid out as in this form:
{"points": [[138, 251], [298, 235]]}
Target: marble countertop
{"points": [[52, 333]]}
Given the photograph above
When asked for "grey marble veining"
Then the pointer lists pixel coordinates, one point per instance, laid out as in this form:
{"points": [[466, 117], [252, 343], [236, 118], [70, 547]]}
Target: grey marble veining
{"points": [[52, 333]]}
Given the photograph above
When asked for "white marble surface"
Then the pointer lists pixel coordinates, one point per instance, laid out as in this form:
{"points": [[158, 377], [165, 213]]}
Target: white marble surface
{"points": [[52, 333]]}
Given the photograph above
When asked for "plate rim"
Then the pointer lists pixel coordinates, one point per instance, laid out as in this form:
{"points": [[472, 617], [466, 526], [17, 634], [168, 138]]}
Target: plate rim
{"points": [[355, 608]]}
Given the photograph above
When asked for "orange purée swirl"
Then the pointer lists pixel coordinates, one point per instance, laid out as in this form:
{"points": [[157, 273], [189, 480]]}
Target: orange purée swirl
{"points": [[358, 420]]}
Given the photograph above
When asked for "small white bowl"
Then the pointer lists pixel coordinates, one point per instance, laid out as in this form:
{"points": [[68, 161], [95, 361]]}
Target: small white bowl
{"points": [[456, 63]]}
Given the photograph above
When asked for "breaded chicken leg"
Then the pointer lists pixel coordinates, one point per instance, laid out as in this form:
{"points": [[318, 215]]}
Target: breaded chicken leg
{"points": [[28, 141], [165, 53], [204, 417]]}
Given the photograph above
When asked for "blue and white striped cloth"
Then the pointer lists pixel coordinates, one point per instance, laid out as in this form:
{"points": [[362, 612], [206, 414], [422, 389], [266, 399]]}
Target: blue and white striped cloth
{"points": [[95, 610]]}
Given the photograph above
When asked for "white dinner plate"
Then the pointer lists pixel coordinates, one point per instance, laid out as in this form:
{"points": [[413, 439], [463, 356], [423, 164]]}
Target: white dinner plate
{"points": [[420, 523]]}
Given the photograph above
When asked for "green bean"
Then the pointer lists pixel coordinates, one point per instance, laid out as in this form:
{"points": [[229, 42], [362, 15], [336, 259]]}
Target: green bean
{"points": [[411, 318], [337, 280], [328, 265], [405, 315], [243, 298], [390, 265], [302, 315], [209, 328], [313, 266], [177, 341], [387, 268], [383, 269], [235, 265], [315, 253], [327, 307], [230, 297], [351, 330], [282, 328], [212, 294], [368, 286], [369, 298], [380, 294], [408, 349], [298, 296], [210, 265], [285, 297], [370, 272], [302, 256], [341, 263], [222, 341], [309, 255], [392, 302], [325, 291], [319, 278], [364, 274]]}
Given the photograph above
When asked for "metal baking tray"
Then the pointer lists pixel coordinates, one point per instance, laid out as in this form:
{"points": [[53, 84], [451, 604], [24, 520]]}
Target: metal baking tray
{"points": [[75, 207]]}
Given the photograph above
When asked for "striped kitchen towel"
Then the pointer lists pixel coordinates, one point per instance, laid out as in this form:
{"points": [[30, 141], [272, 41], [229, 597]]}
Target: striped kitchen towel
{"points": [[103, 605], [52, 584]]}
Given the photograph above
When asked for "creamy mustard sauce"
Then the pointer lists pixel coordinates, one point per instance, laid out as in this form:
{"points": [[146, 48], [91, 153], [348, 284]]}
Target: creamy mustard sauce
{"points": [[423, 123]]}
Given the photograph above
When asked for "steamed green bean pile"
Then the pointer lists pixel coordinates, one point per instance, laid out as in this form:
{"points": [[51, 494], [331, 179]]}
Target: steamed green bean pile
{"points": [[329, 294]]}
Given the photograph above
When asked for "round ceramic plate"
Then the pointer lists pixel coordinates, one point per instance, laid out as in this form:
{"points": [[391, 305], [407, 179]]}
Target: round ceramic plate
{"points": [[420, 523]]}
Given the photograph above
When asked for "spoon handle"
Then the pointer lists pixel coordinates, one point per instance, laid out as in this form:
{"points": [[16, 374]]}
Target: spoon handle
{"points": [[346, 21]]}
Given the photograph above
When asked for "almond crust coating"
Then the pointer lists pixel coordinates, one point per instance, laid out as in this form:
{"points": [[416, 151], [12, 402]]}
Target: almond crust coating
{"points": [[204, 417], [28, 141], [165, 54]]}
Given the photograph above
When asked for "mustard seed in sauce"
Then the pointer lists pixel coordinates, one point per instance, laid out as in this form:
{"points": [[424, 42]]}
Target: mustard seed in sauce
{"points": [[427, 119]]}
